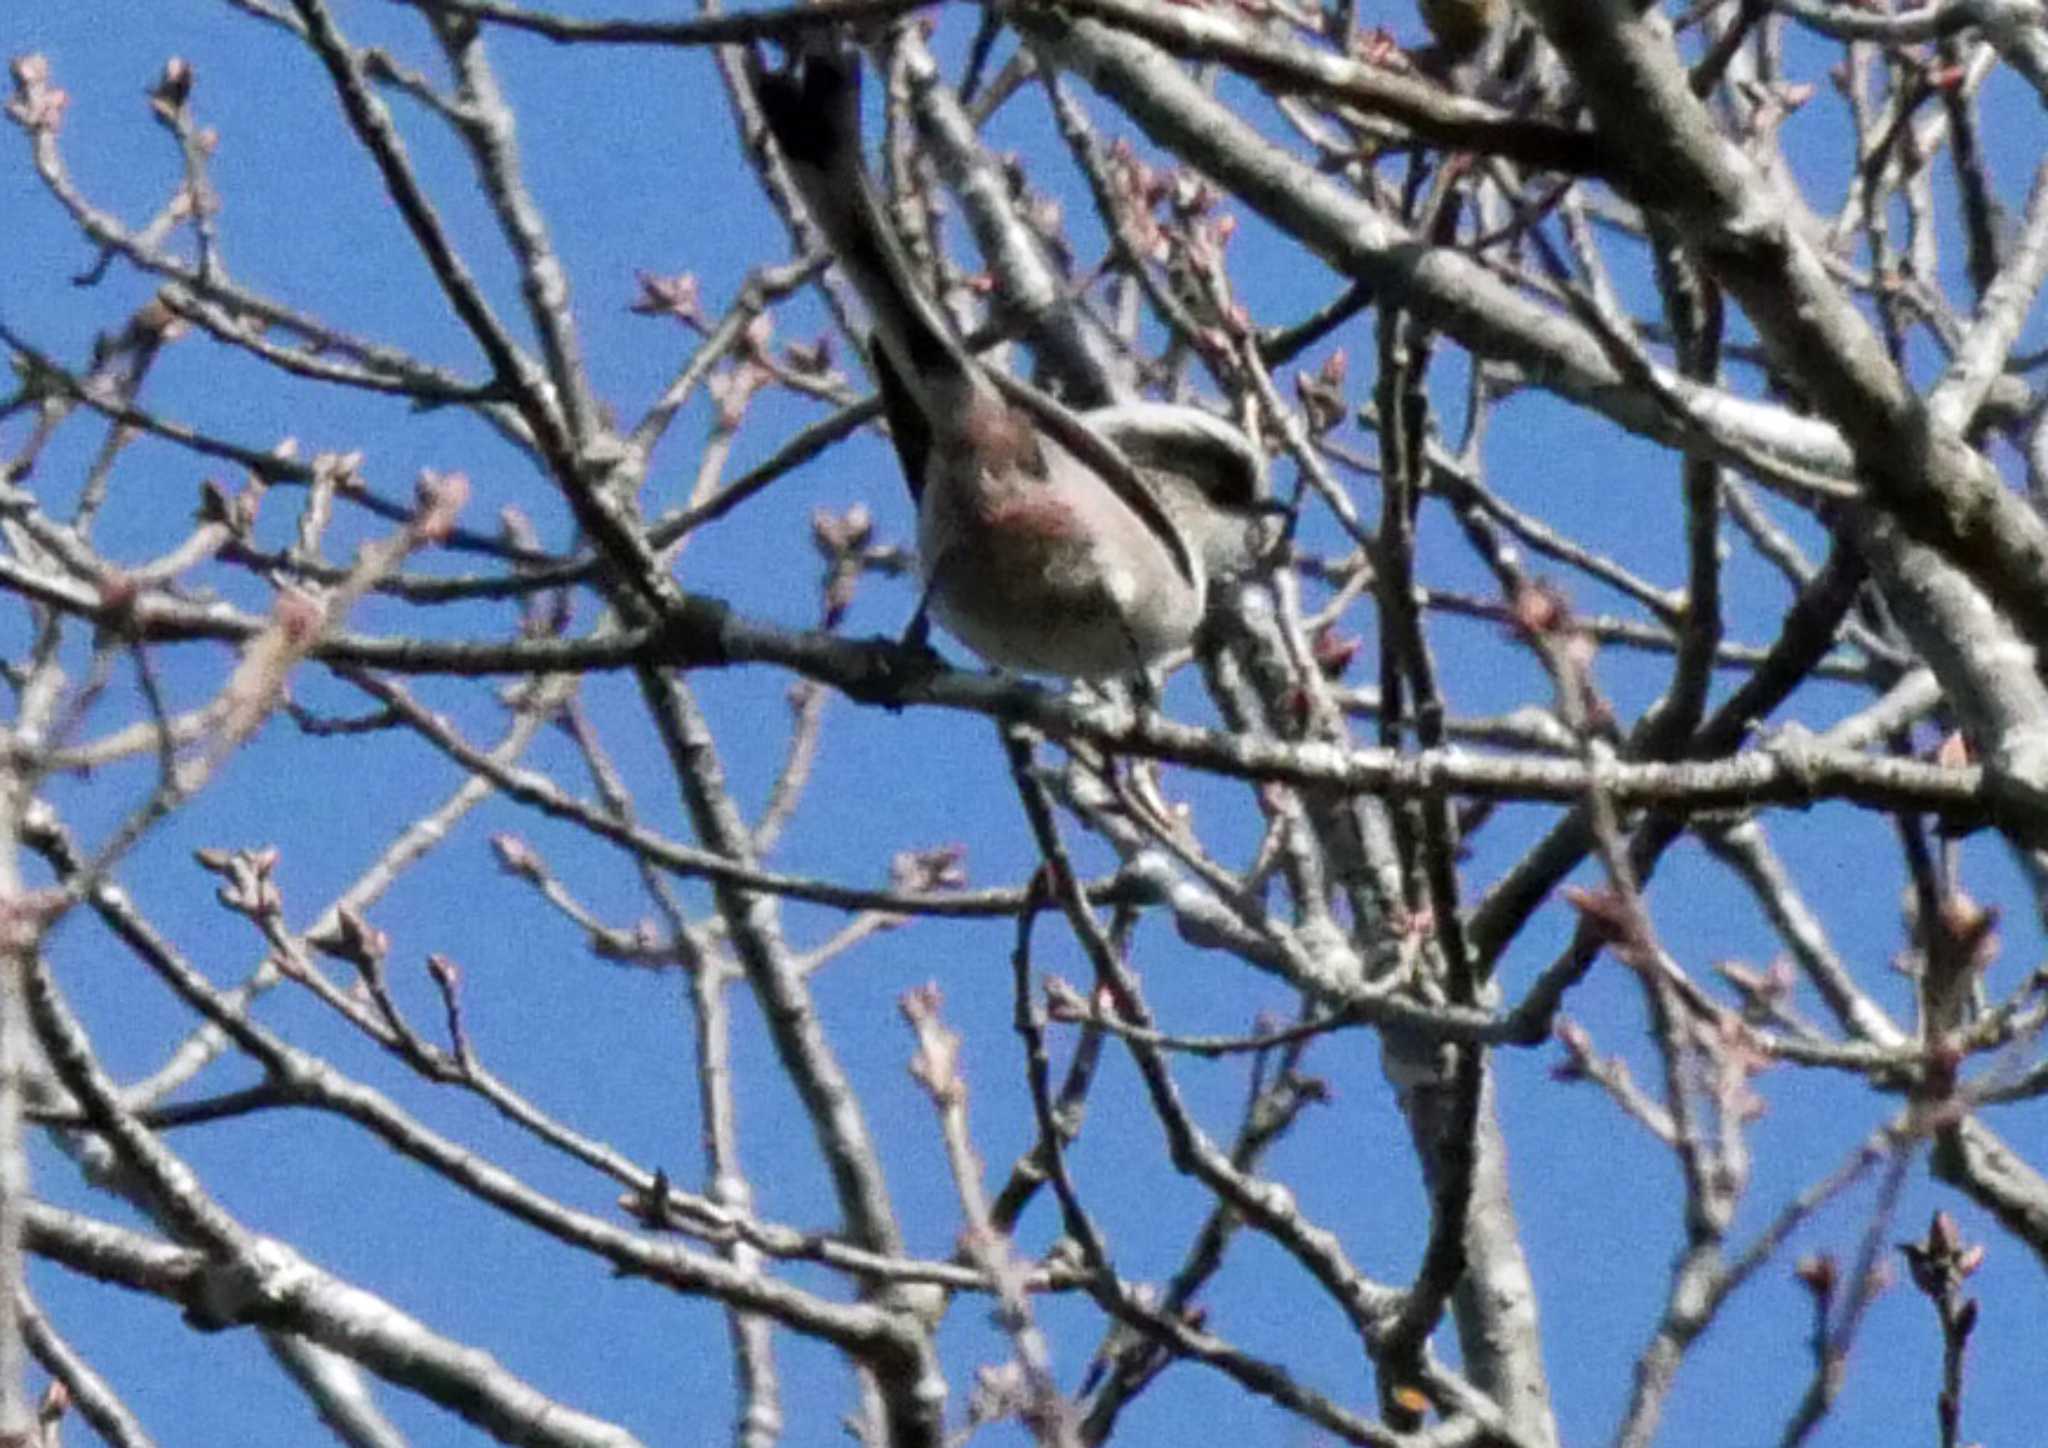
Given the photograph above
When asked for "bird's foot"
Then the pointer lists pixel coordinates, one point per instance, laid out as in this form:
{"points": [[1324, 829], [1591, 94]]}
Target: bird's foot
{"points": [[891, 670]]}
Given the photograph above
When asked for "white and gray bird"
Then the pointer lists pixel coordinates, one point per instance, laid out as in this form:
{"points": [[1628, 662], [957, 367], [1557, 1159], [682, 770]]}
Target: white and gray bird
{"points": [[1073, 544]]}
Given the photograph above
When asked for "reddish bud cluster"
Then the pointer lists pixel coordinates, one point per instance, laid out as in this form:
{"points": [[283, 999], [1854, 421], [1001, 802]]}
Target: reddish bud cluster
{"points": [[675, 296], [38, 106]]}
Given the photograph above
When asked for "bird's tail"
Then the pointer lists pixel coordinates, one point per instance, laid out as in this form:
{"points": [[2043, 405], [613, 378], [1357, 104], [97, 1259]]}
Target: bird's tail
{"points": [[813, 111]]}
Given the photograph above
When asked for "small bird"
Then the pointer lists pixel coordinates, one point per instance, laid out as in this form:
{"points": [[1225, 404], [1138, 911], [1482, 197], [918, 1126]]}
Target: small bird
{"points": [[1078, 545]]}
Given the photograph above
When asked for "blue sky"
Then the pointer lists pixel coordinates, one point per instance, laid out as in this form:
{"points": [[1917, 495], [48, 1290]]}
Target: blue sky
{"points": [[633, 156]]}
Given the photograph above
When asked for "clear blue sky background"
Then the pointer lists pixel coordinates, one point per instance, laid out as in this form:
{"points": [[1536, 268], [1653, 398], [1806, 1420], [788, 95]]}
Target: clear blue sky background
{"points": [[634, 157]]}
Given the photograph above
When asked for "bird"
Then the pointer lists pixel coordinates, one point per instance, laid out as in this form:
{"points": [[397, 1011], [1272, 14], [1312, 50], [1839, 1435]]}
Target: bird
{"points": [[1074, 545]]}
